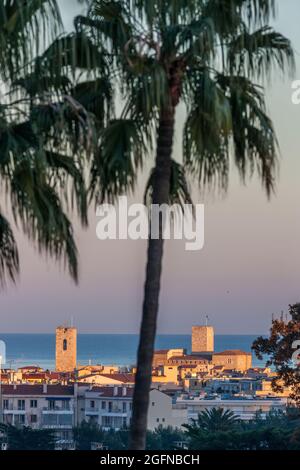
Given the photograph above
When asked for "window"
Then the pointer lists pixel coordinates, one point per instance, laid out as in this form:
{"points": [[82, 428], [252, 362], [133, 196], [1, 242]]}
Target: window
{"points": [[103, 405], [6, 404], [51, 404], [153, 403], [124, 407], [21, 404], [20, 419], [92, 403], [107, 421], [33, 418], [157, 420], [33, 403], [65, 404], [65, 344], [163, 420], [110, 406]]}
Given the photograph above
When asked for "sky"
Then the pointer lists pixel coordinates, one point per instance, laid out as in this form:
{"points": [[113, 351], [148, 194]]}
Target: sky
{"points": [[247, 270]]}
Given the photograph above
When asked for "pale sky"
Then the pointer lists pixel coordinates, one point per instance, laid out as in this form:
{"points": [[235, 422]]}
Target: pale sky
{"points": [[248, 269]]}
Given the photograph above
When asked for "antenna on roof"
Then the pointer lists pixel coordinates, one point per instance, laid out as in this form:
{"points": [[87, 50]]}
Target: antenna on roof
{"points": [[206, 320], [72, 321]]}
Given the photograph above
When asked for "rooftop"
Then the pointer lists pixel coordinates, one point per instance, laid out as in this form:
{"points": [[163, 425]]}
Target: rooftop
{"points": [[112, 391], [30, 390], [232, 352]]}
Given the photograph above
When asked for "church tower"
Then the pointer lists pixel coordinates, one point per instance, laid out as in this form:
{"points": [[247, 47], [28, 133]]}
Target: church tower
{"points": [[202, 339], [66, 349]]}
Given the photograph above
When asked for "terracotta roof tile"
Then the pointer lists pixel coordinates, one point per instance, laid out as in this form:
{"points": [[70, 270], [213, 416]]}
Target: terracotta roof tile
{"points": [[25, 389]]}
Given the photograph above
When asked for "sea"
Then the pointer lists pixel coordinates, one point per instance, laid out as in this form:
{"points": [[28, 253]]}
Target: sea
{"points": [[118, 349]]}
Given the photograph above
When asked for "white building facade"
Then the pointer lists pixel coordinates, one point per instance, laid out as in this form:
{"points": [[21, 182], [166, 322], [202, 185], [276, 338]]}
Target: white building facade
{"points": [[41, 407]]}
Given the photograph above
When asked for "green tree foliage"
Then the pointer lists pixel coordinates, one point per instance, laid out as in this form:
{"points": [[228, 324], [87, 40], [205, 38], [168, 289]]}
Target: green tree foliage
{"points": [[215, 429], [277, 431], [85, 434], [143, 59], [126, 68], [164, 438], [44, 133], [26, 438], [280, 348], [215, 419], [88, 432]]}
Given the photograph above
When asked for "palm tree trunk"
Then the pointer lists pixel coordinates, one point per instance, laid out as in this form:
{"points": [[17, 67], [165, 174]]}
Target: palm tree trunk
{"points": [[160, 195]]}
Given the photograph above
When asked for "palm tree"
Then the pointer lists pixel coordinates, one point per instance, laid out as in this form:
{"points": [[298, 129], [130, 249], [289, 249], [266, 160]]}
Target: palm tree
{"points": [[216, 419], [214, 429], [208, 56], [43, 133]]}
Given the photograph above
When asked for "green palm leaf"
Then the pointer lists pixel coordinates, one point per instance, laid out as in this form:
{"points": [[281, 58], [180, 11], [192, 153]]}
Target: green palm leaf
{"points": [[25, 26], [9, 257], [119, 156]]}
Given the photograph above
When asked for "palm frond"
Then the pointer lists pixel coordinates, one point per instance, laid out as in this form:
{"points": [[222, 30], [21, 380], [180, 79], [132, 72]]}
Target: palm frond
{"points": [[255, 142], [207, 131], [64, 121], [16, 140], [179, 188], [146, 90], [258, 53], [96, 97], [35, 84], [119, 156], [67, 174], [226, 16], [9, 257], [109, 22], [36, 205], [25, 27], [74, 51]]}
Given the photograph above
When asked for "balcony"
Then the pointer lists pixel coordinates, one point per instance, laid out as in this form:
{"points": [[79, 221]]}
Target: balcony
{"points": [[95, 410], [115, 412], [11, 410], [57, 410], [57, 426]]}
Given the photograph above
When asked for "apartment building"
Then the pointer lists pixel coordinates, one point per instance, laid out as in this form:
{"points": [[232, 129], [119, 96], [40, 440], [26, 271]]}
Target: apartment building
{"points": [[40, 407], [245, 408], [109, 407], [61, 407]]}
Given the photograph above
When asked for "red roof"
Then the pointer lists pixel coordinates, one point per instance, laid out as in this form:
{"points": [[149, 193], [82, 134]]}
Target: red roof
{"points": [[23, 389], [125, 378], [34, 375], [54, 375]]}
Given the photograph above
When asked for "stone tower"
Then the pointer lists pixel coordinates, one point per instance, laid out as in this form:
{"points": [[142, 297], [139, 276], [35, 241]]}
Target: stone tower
{"points": [[202, 339], [66, 348]]}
